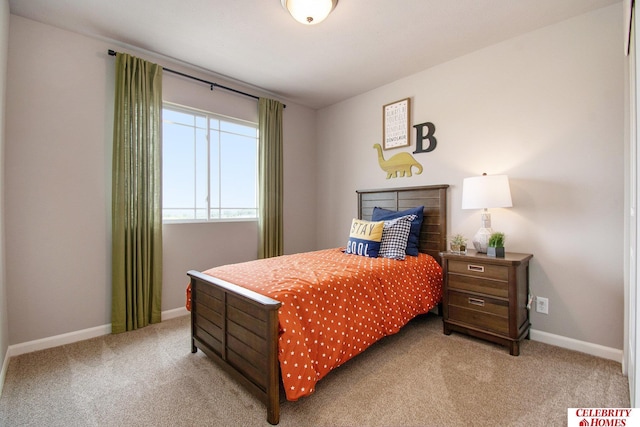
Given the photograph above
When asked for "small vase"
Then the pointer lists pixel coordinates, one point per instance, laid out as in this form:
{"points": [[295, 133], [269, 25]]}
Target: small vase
{"points": [[458, 249], [495, 252]]}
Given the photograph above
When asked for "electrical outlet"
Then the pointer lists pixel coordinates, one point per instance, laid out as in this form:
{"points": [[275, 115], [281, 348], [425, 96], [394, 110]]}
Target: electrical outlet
{"points": [[542, 305]]}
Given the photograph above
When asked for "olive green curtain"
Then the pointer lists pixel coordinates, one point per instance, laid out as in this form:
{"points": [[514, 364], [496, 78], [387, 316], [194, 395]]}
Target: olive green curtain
{"points": [[136, 195], [270, 240]]}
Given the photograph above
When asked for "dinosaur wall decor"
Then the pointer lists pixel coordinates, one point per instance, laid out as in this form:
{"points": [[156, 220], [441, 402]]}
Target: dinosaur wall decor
{"points": [[399, 164]]}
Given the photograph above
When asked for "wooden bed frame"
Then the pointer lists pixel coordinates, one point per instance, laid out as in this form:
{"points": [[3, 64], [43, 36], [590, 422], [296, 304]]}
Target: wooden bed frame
{"points": [[238, 328]]}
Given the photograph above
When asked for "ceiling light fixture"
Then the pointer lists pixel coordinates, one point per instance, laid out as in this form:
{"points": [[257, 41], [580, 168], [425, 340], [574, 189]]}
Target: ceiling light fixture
{"points": [[309, 12]]}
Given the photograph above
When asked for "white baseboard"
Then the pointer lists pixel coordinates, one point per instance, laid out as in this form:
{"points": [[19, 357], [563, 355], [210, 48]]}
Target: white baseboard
{"points": [[576, 345], [176, 312], [3, 373], [57, 340], [71, 337]]}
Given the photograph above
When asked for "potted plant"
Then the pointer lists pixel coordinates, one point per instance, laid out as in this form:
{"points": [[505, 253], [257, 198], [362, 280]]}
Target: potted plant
{"points": [[458, 244], [496, 245]]}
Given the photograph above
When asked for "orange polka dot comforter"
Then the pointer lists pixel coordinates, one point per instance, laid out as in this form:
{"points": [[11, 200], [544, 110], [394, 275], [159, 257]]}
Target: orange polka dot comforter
{"points": [[335, 305]]}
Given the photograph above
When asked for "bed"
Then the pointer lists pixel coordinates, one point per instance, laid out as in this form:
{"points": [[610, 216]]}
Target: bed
{"points": [[240, 327]]}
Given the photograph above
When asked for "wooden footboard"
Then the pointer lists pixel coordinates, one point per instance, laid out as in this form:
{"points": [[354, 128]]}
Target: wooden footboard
{"points": [[238, 328]]}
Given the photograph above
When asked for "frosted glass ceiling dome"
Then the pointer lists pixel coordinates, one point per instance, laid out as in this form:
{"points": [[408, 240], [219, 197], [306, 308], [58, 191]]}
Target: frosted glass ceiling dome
{"points": [[309, 12]]}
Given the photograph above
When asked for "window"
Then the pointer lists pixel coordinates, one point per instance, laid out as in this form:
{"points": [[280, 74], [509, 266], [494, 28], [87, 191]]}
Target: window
{"points": [[209, 166]]}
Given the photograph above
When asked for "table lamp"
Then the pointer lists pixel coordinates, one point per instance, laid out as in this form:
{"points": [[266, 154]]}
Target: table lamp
{"points": [[485, 192]]}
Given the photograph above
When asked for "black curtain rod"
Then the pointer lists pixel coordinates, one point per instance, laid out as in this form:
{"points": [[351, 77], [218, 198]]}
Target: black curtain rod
{"points": [[211, 84]]}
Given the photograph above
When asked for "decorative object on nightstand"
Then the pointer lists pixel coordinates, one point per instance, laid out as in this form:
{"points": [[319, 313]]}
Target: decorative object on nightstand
{"points": [[458, 244], [487, 297], [484, 192], [496, 245]]}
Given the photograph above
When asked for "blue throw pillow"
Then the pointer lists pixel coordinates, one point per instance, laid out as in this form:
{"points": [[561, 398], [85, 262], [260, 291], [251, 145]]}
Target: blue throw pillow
{"points": [[380, 214]]}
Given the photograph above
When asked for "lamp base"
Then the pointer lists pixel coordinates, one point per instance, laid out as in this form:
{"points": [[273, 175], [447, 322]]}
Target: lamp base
{"points": [[481, 239]]}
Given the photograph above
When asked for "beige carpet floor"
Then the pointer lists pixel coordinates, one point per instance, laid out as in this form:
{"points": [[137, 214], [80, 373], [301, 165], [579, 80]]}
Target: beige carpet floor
{"points": [[418, 377]]}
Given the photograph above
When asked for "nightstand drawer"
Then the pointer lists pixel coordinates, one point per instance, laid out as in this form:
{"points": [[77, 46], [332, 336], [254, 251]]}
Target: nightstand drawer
{"points": [[478, 269], [479, 303], [479, 319], [474, 284]]}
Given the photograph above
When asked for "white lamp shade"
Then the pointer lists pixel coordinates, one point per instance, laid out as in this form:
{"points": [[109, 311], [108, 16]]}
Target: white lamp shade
{"points": [[486, 191], [309, 12]]}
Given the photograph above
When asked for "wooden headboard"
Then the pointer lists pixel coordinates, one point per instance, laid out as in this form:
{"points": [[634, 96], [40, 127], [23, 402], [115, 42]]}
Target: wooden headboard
{"points": [[433, 234]]}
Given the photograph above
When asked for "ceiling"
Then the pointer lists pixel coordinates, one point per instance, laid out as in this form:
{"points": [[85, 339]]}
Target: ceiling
{"points": [[362, 45]]}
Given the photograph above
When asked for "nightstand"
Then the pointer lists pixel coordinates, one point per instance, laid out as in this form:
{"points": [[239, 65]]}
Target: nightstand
{"points": [[486, 297]]}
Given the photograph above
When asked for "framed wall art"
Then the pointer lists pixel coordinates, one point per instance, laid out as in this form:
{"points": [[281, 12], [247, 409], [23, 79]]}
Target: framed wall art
{"points": [[395, 124]]}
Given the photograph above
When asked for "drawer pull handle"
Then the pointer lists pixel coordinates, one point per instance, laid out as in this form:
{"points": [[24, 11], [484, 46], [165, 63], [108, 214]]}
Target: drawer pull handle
{"points": [[476, 301], [478, 268]]}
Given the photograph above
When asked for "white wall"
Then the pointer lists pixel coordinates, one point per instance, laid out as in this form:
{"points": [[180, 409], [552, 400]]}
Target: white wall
{"points": [[4, 318], [546, 108], [58, 182]]}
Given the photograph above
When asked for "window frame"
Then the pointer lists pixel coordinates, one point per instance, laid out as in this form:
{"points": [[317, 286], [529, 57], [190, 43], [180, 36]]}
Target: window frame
{"points": [[222, 118]]}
